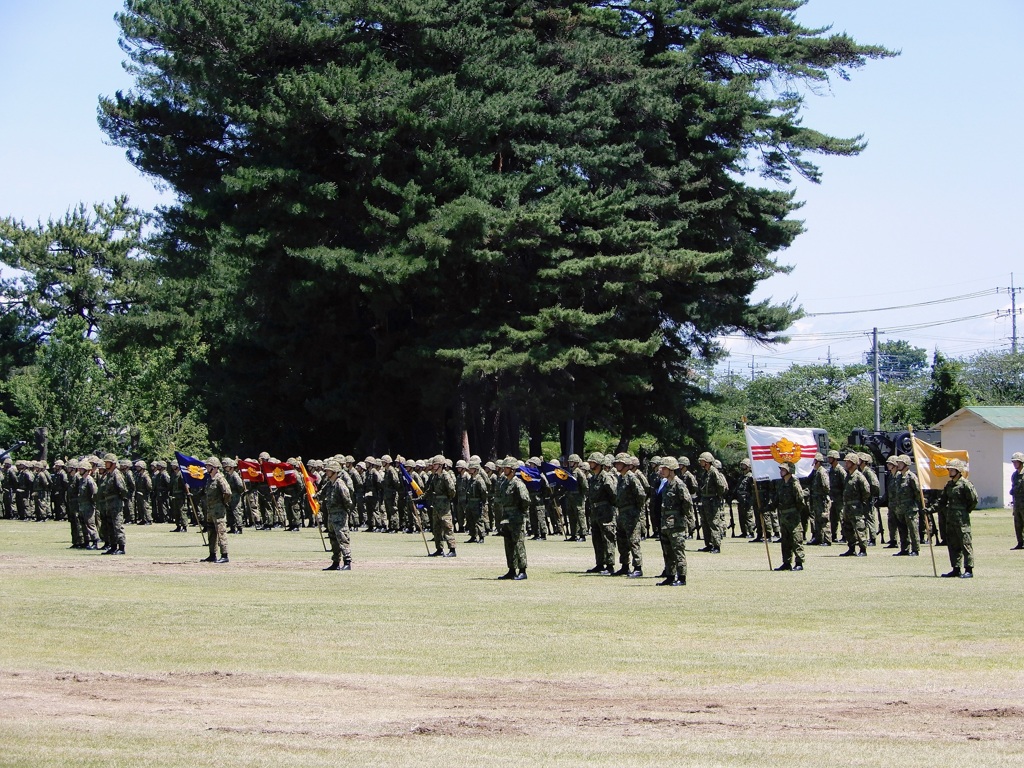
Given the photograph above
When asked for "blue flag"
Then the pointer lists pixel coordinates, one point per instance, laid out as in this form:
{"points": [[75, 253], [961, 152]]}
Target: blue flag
{"points": [[559, 477], [193, 471], [531, 476], [411, 487]]}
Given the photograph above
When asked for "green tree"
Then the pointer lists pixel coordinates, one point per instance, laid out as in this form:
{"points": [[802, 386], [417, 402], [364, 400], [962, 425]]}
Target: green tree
{"points": [[898, 360], [405, 223], [948, 392], [995, 378]]}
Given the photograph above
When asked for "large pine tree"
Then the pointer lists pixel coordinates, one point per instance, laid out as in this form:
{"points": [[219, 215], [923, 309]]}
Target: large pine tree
{"points": [[398, 222]]}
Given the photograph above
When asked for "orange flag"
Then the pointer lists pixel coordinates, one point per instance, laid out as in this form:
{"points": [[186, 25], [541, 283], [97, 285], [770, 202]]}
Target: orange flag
{"points": [[310, 490], [931, 464]]}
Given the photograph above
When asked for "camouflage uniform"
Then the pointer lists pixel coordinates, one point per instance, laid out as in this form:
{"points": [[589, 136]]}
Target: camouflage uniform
{"points": [[676, 522], [821, 502], [88, 491], [601, 500], [439, 494], [179, 500], [391, 487], [10, 483], [744, 495], [856, 508], [957, 501], [336, 505], [904, 499], [237, 486], [143, 495], [70, 495], [1017, 497], [575, 501], [161, 492], [629, 502], [125, 468], [476, 503], [59, 491], [871, 517], [792, 509], [511, 506], [216, 496], [113, 492], [41, 492], [836, 486], [23, 491], [713, 489]]}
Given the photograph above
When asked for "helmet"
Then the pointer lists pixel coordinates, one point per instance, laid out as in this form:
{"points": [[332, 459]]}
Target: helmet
{"points": [[448, 463], [140, 464], [683, 461], [903, 459], [609, 460], [555, 463], [596, 458], [833, 454], [332, 466], [573, 457], [717, 463], [264, 456], [533, 461], [853, 457], [890, 460], [475, 458], [819, 458], [623, 458], [110, 457], [789, 466], [461, 464], [491, 466], [1018, 456], [745, 463], [669, 462], [386, 459], [866, 458], [655, 460], [124, 463], [96, 461], [439, 459], [706, 457], [229, 462], [58, 463], [213, 461], [361, 465], [473, 465], [958, 464]]}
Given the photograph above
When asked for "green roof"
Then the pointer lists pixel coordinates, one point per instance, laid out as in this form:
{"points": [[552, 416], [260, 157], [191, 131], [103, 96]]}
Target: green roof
{"points": [[999, 416]]}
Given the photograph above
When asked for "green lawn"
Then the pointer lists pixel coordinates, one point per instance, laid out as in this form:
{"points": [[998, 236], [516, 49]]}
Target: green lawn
{"points": [[407, 660]]}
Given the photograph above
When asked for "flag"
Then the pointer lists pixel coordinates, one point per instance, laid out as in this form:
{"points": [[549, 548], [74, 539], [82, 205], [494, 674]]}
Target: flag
{"points": [[310, 485], [930, 461], [251, 471], [279, 473], [769, 447], [411, 486], [559, 477], [531, 476], [193, 471]]}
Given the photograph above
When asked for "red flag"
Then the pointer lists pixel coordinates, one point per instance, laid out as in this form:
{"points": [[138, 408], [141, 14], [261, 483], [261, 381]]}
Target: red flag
{"points": [[250, 471], [308, 481], [279, 474]]}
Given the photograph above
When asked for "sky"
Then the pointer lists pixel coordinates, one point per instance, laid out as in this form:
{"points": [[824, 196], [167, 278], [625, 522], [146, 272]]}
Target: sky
{"points": [[923, 216]]}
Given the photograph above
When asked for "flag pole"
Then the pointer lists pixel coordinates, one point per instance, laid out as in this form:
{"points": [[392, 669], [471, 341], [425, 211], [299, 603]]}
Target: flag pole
{"points": [[411, 495], [314, 508], [195, 513], [757, 498], [920, 493]]}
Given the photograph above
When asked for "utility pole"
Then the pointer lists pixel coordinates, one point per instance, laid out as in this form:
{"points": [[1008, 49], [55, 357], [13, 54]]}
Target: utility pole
{"points": [[1012, 313], [874, 380]]}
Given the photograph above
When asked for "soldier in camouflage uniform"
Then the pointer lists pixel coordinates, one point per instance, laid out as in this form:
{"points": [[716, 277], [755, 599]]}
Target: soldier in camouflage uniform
{"points": [[23, 489], [821, 502], [601, 501], [461, 496], [237, 486], [71, 482], [391, 487], [439, 494], [476, 503], [744, 495], [511, 507], [676, 522], [575, 501], [88, 491], [124, 466], [178, 497], [10, 484], [538, 515], [629, 502], [713, 489], [904, 500], [856, 508], [216, 497], [113, 491], [336, 505], [59, 491], [291, 498], [1017, 496], [143, 494], [836, 486], [873, 515], [161, 491], [792, 510], [957, 501]]}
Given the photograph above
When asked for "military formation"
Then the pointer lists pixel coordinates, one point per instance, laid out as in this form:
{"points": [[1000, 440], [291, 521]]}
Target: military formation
{"points": [[611, 498]]}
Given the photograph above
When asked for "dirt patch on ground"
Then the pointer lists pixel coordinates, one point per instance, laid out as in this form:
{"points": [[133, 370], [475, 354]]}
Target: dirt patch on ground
{"points": [[376, 707]]}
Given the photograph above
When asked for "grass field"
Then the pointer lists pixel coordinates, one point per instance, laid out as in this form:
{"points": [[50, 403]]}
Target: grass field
{"points": [[157, 659]]}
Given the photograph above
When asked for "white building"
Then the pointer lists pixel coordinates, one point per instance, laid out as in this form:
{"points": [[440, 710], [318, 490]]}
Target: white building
{"points": [[990, 434]]}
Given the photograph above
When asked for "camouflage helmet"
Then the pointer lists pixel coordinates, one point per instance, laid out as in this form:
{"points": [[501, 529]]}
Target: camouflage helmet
{"points": [[264, 456], [866, 458], [361, 465], [852, 457], [683, 461], [958, 464], [20, 464], [668, 462], [475, 457], [596, 458], [448, 463], [834, 455], [903, 459], [213, 461], [140, 464], [819, 458], [438, 459], [110, 457], [1018, 456], [472, 465], [386, 459], [534, 461], [491, 466], [96, 461], [124, 463], [745, 463], [655, 460], [609, 460], [332, 466], [622, 458], [789, 466], [461, 464], [717, 464], [890, 460], [574, 458], [58, 463], [555, 463], [70, 464], [228, 463], [706, 457]]}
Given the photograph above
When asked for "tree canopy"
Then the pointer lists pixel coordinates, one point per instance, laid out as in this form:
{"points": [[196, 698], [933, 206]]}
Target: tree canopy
{"points": [[420, 223]]}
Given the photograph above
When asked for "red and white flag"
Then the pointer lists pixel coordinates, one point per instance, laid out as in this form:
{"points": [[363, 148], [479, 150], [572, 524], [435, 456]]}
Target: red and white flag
{"points": [[770, 447], [279, 474], [250, 471]]}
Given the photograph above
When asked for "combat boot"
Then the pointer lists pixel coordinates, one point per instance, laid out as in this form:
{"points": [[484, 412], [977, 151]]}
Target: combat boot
{"points": [[798, 565], [222, 559], [437, 553], [967, 574], [953, 574], [347, 565], [333, 567], [508, 576], [521, 576], [668, 582], [450, 553], [623, 571], [637, 574], [784, 567]]}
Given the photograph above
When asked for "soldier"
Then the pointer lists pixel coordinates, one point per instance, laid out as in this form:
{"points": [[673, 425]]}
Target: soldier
{"points": [[713, 489], [873, 515], [476, 503], [216, 497], [41, 492], [821, 502], [113, 491], [538, 515], [904, 499], [856, 508], [461, 495], [161, 491], [71, 500], [10, 483], [601, 500], [575, 501], [23, 490], [336, 505], [629, 502], [676, 522], [375, 496], [124, 466], [143, 494], [439, 494], [792, 512], [836, 486], [88, 492], [957, 500], [744, 495], [1017, 495], [391, 487], [291, 498], [554, 500], [892, 519], [178, 494], [237, 486], [59, 491], [511, 507], [645, 509]]}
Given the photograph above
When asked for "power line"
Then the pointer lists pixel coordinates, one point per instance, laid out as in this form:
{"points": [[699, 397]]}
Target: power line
{"points": [[963, 297]]}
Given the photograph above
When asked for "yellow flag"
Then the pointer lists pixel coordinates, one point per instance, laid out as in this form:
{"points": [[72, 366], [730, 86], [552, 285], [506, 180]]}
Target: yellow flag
{"points": [[307, 481], [931, 464]]}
